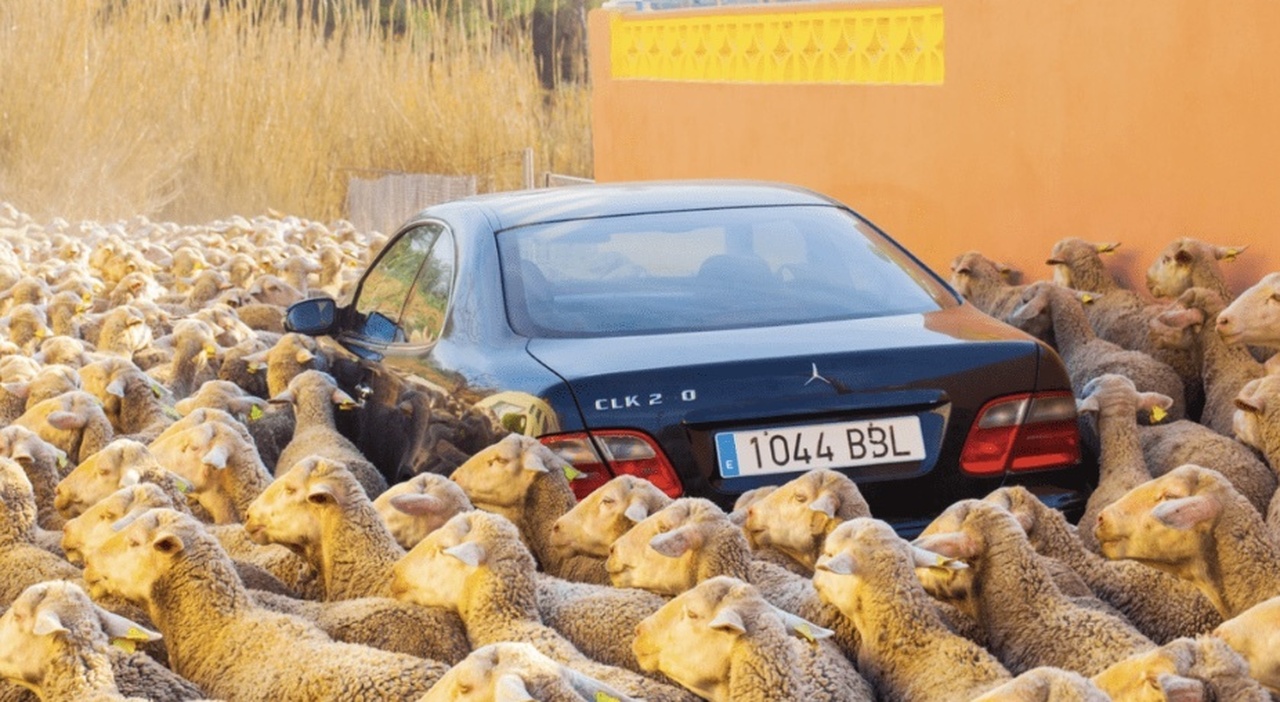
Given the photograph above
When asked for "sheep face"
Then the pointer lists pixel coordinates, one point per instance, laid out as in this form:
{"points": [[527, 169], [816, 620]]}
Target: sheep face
{"points": [[501, 474], [795, 518], [224, 395], [602, 517], [196, 454], [1175, 268], [866, 553], [1076, 258], [659, 554], [1152, 676], [117, 465], [436, 571], [971, 266], [290, 511], [691, 639], [143, 549], [1256, 405], [88, 531], [1254, 316], [492, 672], [957, 535], [1255, 635], [1165, 523], [415, 508]]}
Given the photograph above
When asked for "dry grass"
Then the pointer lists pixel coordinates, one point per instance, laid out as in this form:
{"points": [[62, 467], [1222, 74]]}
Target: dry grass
{"points": [[107, 112]]}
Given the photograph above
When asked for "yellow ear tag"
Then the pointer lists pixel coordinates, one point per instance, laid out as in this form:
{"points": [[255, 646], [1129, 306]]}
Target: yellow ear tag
{"points": [[346, 405], [255, 413], [1231, 254], [155, 390], [1086, 298], [183, 487], [62, 460], [572, 473], [172, 413], [806, 633], [1158, 414], [126, 645], [136, 634], [605, 697], [255, 367]]}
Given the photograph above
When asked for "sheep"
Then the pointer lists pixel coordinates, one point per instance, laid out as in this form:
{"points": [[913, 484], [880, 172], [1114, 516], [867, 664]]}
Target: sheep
{"points": [[798, 516], [22, 563], [476, 565], [221, 465], [262, 317], [55, 641], [1167, 446], [1257, 424], [1028, 621], [985, 284], [121, 332], [1187, 263], [121, 463], [16, 367], [270, 426], [1192, 523], [514, 672], [601, 517], [745, 500], [528, 483], [868, 572], [1046, 685], [64, 350], [291, 354], [44, 466], [27, 326], [1253, 317], [194, 359], [220, 640], [1086, 355], [1200, 668], [314, 394], [238, 369], [418, 506], [52, 381], [1224, 368], [1158, 604], [724, 641], [13, 401], [1255, 635], [226, 324], [74, 422]]}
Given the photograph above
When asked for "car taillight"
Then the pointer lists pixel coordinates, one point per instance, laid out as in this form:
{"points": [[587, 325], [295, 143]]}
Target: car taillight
{"points": [[1023, 432], [602, 454]]}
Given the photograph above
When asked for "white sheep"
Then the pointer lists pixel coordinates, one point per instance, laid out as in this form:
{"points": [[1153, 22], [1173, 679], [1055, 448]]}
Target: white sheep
{"points": [[22, 563], [221, 465], [195, 353], [1200, 668], [1046, 685], [726, 642], [44, 464], [1029, 622], [121, 463], [1188, 263], [1257, 423], [518, 672], [1255, 635], [56, 642], [1159, 604], [796, 518], [600, 518], [477, 566], [292, 354], [1192, 523], [985, 284], [1253, 317], [220, 640], [73, 422], [418, 506], [314, 396], [869, 573], [271, 426]]}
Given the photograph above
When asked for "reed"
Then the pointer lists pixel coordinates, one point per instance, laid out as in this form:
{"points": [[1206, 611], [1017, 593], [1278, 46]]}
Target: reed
{"points": [[111, 108]]}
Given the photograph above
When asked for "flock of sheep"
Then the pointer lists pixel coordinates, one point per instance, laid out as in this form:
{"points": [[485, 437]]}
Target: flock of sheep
{"points": [[181, 518]]}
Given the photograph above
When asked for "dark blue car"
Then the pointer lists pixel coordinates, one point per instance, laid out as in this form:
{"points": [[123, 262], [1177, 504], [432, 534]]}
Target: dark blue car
{"points": [[712, 337]]}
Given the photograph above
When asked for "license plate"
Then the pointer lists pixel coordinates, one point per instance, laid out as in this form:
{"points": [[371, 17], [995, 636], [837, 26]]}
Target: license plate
{"points": [[835, 445]]}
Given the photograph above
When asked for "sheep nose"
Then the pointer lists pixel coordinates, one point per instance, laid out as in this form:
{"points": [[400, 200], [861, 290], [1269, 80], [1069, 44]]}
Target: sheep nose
{"points": [[1223, 321]]}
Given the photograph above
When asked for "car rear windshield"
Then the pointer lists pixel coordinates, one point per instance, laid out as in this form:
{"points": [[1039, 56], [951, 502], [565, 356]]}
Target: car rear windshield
{"points": [[707, 269]]}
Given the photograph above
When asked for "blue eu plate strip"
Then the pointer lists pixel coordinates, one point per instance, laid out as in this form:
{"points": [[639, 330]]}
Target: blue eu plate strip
{"points": [[728, 454]]}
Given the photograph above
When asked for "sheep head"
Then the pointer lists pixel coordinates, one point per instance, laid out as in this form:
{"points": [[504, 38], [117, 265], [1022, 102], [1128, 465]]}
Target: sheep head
{"points": [[446, 567], [292, 510], [141, 552], [695, 637], [602, 517], [87, 532], [1256, 407], [502, 474], [50, 617], [1113, 395], [119, 464], [515, 672], [1254, 316], [1046, 685], [418, 506], [663, 553], [1175, 268], [224, 395], [796, 517], [972, 266], [1076, 261], [1255, 635]]}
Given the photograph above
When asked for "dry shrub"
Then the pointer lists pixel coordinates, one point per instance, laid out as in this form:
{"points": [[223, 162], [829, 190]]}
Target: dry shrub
{"points": [[189, 111]]}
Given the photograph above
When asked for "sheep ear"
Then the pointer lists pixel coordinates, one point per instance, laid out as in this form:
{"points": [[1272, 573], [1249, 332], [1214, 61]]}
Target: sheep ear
{"points": [[673, 544], [839, 564], [924, 558], [66, 421], [469, 552], [1179, 689], [116, 387], [47, 622], [1249, 399], [417, 504], [118, 627], [1272, 366], [1183, 257], [1152, 400], [216, 457], [637, 512], [530, 460], [285, 397], [22, 454], [303, 356], [19, 390], [728, 619], [321, 493], [1228, 253], [799, 626], [1108, 247], [342, 399], [592, 689], [130, 478], [957, 545], [510, 688], [1187, 512], [1087, 404], [825, 504], [167, 543]]}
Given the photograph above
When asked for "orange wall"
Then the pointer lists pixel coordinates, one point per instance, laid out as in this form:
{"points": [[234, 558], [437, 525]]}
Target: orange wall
{"points": [[1136, 121]]}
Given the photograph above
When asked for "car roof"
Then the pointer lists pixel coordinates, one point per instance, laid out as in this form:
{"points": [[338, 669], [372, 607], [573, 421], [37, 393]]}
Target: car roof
{"points": [[525, 207]]}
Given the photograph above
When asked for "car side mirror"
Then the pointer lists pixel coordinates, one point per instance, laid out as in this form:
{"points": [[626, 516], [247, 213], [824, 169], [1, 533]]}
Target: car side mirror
{"points": [[315, 317]]}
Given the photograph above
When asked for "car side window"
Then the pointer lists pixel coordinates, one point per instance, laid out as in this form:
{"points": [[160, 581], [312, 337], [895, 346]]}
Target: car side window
{"points": [[424, 311], [387, 285]]}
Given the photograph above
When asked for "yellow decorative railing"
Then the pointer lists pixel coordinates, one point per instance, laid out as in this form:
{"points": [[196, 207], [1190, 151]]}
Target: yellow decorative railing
{"points": [[894, 46]]}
